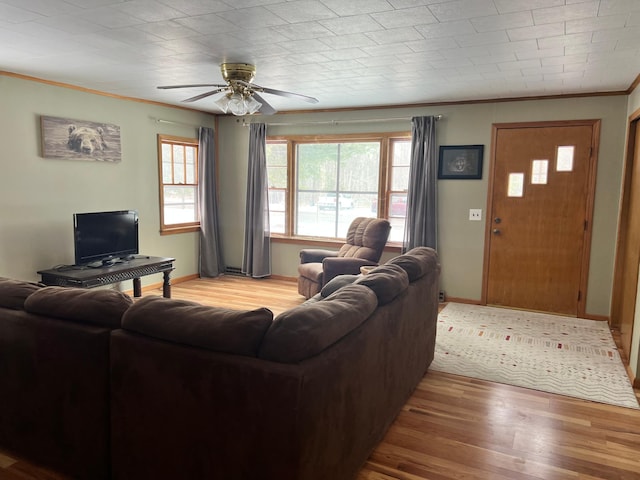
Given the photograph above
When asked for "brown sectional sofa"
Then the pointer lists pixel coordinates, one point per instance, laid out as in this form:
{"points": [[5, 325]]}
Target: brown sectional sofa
{"points": [[201, 392], [54, 375]]}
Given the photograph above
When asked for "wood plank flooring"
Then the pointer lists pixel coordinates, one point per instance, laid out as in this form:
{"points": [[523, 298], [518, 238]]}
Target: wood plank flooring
{"points": [[452, 427]]}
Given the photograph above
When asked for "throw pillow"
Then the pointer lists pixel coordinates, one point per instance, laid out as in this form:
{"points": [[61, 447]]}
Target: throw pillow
{"points": [[387, 281], [337, 282], [306, 330]]}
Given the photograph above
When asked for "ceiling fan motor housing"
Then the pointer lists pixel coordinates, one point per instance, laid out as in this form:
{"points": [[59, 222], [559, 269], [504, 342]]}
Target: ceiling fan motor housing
{"points": [[232, 72]]}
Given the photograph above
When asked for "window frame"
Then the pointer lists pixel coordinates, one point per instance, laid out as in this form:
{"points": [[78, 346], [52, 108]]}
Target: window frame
{"points": [[177, 227], [386, 140]]}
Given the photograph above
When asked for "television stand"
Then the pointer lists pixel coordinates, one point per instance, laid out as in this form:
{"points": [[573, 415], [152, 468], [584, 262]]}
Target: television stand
{"points": [[87, 277]]}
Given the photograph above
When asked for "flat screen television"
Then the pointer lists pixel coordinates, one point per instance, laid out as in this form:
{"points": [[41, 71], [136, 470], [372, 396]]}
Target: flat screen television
{"points": [[102, 238]]}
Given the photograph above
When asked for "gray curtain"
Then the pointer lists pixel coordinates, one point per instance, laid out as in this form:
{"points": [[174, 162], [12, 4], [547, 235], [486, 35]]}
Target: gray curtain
{"points": [[257, 245], [421, 228], [210, 254]]}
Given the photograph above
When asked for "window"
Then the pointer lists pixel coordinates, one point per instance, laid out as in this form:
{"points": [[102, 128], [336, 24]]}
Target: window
{"points": [[318, 186], [178, 172], [277, 178], [399, 183]]}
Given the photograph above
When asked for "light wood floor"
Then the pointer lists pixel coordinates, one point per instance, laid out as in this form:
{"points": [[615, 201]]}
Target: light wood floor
{"points": [[453, 427]]}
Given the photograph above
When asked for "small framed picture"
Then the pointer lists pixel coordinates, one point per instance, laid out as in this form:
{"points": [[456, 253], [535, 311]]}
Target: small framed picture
{"points": [[461, 162]]}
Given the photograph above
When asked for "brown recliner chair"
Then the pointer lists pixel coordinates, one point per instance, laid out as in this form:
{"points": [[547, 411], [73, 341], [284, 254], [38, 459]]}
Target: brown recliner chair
{"points": [[365, 241]]}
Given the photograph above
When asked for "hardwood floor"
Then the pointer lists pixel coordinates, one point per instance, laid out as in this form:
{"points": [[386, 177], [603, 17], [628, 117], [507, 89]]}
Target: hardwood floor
{"points": [[453, 427]]}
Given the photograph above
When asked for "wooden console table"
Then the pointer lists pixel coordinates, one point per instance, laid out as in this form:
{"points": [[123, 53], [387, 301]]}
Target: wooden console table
{"points": [[89, 277]]}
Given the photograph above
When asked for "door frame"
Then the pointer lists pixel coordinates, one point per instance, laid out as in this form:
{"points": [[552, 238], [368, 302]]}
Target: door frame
{"points": [[623, 219], [590, 199]]}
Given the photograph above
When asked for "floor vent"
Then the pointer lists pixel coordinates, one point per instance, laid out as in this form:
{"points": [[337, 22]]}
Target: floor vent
{"points": [[233, 271]]}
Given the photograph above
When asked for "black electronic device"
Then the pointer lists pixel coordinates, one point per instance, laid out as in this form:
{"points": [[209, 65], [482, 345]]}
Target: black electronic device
{"points": [[104, 238]]}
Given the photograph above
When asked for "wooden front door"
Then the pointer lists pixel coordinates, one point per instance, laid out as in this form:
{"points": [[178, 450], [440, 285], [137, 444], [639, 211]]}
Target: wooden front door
{"points": [[539, 222]]}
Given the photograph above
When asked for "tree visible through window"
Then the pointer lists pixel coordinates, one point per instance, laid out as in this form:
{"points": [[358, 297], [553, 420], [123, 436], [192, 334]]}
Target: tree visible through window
{"points": [[317, 187], [178, 161], [336, 182]]}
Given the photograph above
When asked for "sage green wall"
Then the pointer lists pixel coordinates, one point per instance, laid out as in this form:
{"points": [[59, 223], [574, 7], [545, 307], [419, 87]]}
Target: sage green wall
{"points": [[38, 196], [461, 242], [634, 356]]}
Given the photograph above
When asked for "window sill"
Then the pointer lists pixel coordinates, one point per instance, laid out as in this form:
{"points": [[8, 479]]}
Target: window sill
{"points": [[173, 231], [325, 242]]}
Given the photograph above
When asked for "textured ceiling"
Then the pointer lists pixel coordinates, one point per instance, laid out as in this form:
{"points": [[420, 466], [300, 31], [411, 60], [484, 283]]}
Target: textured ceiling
{"points": [[347, 53]]}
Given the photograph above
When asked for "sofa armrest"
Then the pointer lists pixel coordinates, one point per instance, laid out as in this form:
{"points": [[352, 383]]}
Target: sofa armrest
{"points": [[314, 255], [332, 267]]}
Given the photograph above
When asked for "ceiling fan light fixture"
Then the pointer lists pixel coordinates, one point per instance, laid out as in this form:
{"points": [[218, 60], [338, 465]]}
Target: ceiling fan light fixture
{"points": [[252, 105], [223, 103], [237, 105]]}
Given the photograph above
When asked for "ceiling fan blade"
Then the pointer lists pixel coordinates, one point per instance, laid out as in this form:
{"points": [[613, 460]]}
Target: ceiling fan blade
{"points": [[205, 95], [166, 87], [282, 93], [265, 109]]}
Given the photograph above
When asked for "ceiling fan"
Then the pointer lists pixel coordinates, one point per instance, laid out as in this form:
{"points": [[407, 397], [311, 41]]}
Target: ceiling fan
{"points": [[241, 97]]}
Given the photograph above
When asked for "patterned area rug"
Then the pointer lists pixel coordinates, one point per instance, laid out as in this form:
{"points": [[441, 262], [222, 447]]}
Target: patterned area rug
{"points": [[551, 353]]}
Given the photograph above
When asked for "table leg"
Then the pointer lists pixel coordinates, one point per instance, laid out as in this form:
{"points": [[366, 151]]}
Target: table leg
{"points": [[137, 289], [166, 285]]}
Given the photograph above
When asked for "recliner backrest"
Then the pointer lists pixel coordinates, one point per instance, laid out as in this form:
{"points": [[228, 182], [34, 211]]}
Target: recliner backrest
{"points": [[366, 238]]}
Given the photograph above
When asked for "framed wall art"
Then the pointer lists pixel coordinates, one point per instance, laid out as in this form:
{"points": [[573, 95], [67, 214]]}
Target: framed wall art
{"points": [[462, 162], [80, 140]]}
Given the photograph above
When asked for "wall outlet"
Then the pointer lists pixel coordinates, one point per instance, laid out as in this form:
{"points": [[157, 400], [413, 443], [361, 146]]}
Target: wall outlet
{"points": [[475, 214]]}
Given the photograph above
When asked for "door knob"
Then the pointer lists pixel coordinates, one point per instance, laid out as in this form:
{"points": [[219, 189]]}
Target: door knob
{"points": [[496, 231]]}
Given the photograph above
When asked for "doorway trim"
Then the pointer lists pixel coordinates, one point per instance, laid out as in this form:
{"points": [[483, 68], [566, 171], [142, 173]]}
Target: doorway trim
{"points": [[590, 199], [623, 219]]}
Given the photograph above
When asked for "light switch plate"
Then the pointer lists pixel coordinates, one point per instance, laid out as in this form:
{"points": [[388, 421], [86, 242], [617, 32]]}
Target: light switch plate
{"points": [[475, 214]]}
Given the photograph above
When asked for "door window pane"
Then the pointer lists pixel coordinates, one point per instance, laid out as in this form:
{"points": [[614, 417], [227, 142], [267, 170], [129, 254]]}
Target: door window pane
{"points": [[564, 160], [516, 185], [539, 172]]}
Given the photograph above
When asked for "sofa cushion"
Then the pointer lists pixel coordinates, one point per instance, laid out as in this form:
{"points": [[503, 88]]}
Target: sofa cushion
{"points": [[13, 293], [189, 323], [387, 281], [416, 262], [306, 330], [337, 282], [97, 307]]}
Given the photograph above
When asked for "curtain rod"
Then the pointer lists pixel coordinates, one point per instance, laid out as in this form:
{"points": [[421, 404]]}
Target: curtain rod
{"points": [[173, 122], [336, 122]]}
